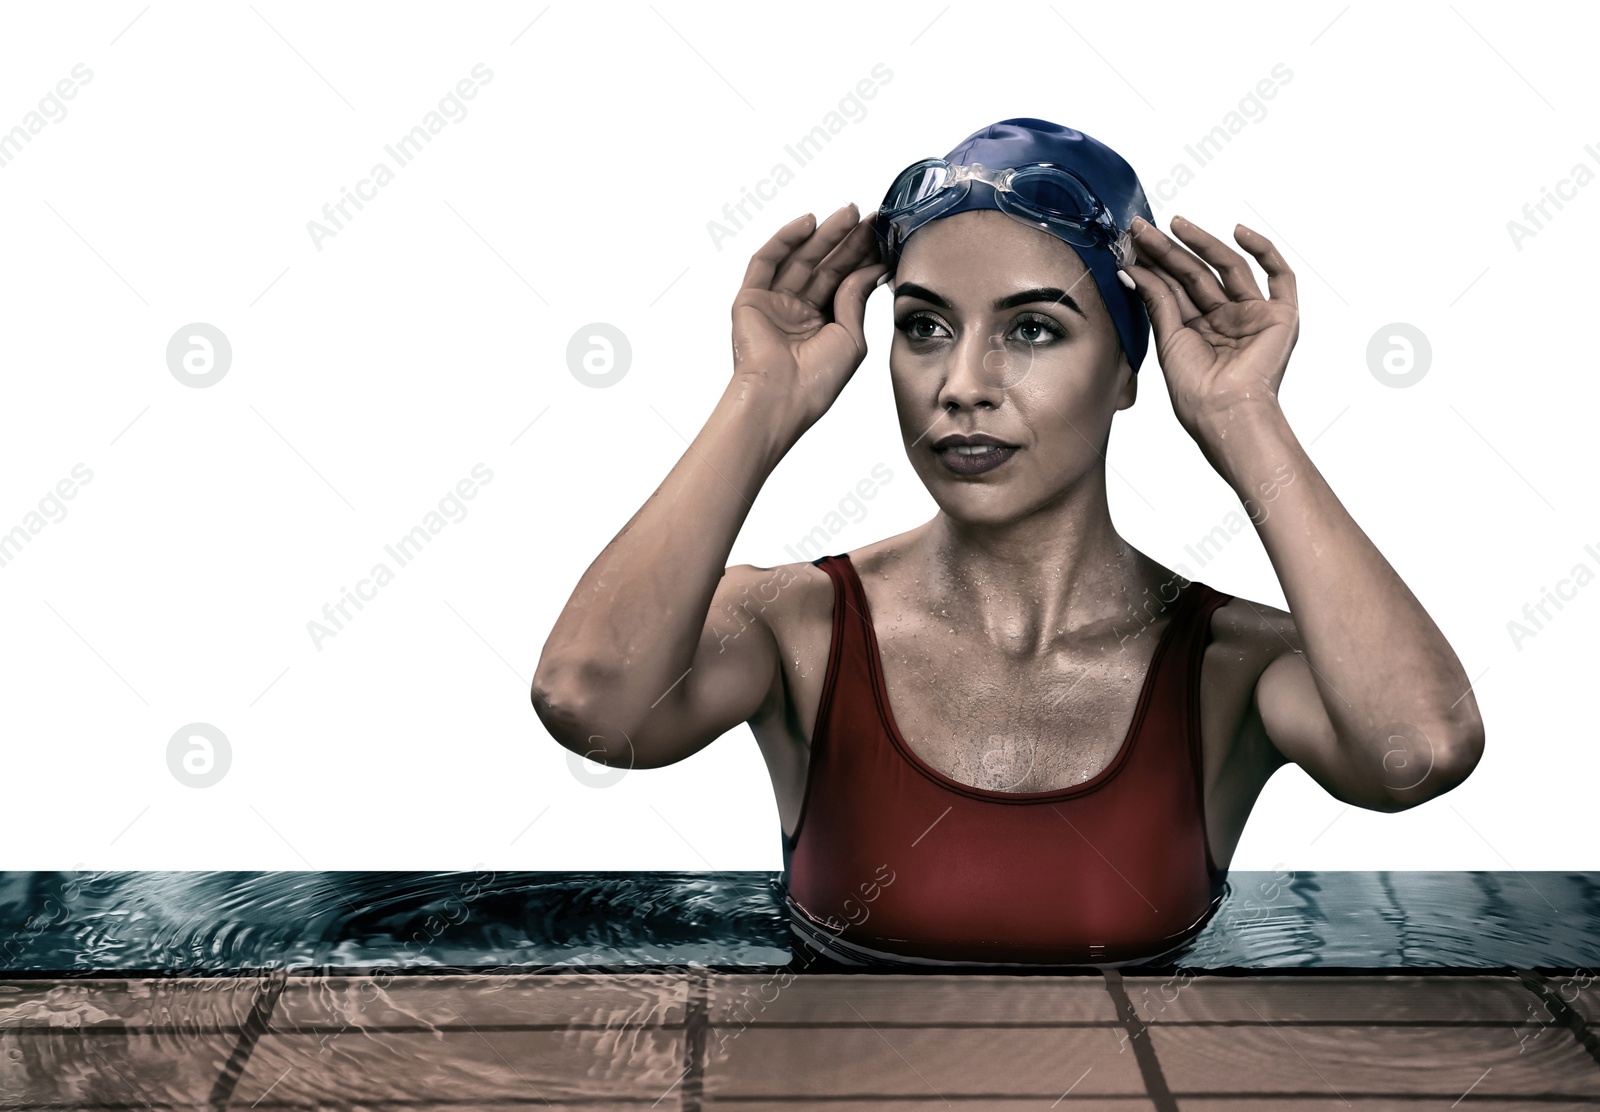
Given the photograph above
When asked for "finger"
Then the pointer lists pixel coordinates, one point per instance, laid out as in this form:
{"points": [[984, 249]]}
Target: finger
{"points": [[857, 248], [1237, 279], [795, 271], [1195, 276], [850, 303], [1186, 308], [1159, 302], [1281, 285], [764, 263]]}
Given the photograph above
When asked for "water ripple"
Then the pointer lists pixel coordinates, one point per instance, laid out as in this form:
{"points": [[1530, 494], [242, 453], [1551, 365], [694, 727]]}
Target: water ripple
{"points": [[224, 921]]}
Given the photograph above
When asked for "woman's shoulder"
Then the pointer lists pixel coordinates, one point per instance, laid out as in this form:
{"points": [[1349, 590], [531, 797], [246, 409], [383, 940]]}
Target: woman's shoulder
{"points": [[793, 600], [882, 559], [797, 599], [1246, 637], [775, 589], [1256, 628]]}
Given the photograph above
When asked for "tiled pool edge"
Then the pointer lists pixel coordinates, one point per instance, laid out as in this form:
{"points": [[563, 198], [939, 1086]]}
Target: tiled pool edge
{"points": [[703, 988]]}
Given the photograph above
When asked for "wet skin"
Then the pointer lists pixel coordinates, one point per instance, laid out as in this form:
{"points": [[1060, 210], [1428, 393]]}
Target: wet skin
{"points": [[1013, 624]]}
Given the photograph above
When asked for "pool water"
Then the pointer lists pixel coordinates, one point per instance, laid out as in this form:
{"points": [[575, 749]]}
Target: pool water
{"points": [[220, 922]]}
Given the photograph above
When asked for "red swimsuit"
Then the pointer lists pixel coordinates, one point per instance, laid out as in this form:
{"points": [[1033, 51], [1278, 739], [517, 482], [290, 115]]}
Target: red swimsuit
{"points": [[893, 862]]}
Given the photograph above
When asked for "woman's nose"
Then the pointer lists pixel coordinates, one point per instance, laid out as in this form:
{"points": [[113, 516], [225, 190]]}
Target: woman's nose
{"points": [[981, 369]]}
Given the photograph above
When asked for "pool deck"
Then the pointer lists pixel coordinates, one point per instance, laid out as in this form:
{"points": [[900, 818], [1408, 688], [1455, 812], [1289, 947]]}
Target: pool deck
{"points": [[741, 1041]]}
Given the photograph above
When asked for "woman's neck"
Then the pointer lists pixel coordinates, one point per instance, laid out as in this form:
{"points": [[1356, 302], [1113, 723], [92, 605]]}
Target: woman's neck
{"points": [[1028, 583]]}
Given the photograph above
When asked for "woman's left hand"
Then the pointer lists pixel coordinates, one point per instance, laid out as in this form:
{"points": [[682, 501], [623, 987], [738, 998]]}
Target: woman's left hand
{"points": [[1222, 345]]}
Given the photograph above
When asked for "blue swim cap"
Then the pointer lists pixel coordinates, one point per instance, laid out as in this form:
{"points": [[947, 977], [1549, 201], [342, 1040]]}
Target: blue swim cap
{"points": [[1021, 141]]}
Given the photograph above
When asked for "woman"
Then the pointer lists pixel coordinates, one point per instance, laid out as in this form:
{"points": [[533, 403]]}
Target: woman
{"points": [[1007, 737]]}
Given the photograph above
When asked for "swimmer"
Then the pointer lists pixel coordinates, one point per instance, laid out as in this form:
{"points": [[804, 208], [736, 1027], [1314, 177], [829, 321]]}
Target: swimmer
{"points": [[1007, 736]]}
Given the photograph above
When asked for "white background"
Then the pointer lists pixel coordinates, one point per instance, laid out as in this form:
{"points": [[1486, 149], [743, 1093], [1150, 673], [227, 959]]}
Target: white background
{"points": [[430, 335]]}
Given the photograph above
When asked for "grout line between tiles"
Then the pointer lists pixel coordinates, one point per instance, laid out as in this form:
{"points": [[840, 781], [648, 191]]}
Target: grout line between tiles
{"points": [[1559, 1010], [252, 1029], [1144, 1054], [696, 1027]]}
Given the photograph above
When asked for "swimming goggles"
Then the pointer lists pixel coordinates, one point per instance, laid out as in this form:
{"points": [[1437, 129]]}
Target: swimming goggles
{"points": [[1041, 193]]}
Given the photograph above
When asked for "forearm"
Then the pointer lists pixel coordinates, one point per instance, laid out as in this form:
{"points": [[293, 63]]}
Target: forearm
{"points": [[632, 625], [1376, 655]]}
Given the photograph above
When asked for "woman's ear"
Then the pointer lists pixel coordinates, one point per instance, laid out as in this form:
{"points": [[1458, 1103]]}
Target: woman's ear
{"points": [[1129, 391]]}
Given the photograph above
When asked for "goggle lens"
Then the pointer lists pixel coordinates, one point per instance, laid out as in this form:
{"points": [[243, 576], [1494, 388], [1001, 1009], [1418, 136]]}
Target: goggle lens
{"points": [[1054, 193], [916, 185]]}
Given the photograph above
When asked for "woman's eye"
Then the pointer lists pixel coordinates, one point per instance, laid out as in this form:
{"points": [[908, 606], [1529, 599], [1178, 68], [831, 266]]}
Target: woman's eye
{"points": [[912, 326], [1037, 330]]}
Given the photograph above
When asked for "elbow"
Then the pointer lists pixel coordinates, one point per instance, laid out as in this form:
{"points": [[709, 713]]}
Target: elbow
{"points": [[1462, 756], [563, 691], [1462, 748], [1454, 759], [564, 717], [570, 706]]}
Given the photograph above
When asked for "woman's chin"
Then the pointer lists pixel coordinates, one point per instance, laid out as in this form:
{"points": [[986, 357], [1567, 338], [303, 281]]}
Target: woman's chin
{"points": [[986, 504], [989, 501]]}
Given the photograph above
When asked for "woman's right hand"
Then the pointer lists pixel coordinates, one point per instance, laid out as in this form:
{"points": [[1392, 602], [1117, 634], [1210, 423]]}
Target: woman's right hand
{"points": [[797, 322]]}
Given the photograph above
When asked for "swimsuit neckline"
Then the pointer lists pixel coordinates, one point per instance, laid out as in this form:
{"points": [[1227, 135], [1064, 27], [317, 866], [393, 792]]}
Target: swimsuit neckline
{"points": [[880, 693]]}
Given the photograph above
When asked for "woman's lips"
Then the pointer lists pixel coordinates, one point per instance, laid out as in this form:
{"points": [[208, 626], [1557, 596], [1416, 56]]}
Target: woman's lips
{"points": [[974, 459]]}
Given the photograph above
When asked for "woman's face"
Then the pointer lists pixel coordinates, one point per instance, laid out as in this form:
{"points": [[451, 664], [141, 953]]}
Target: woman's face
{"points": [[977, 349]]}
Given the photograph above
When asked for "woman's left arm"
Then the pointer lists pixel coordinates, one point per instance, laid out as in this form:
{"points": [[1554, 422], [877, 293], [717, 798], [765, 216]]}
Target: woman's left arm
{"points": [[1377, 708]]}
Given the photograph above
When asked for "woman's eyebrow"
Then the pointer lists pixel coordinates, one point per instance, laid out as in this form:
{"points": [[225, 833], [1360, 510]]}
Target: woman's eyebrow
{"points": [[1022, 297]]}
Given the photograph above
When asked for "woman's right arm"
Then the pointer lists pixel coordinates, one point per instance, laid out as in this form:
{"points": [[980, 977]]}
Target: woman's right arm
{"points": [[661, 648]]}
